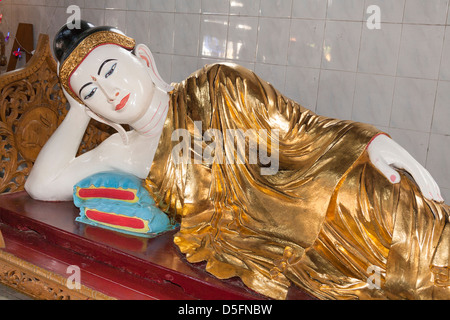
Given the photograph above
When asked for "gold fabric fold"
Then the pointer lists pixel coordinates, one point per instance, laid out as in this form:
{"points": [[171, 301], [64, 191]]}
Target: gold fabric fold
{"points": [[376, 229], [320, 221]]}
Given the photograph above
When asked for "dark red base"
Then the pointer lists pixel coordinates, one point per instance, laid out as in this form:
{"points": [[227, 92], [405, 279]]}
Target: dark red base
{"points": [[121, 266]]}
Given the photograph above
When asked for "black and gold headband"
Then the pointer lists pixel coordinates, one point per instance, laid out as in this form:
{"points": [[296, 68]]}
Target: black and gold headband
{"points": [[71, 46]]}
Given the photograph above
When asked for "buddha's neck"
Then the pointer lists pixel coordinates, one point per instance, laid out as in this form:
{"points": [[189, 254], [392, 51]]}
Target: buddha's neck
{"points": [[152, 122]]}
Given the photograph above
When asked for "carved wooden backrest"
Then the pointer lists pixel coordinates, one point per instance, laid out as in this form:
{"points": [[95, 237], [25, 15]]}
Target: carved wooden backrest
{"points": [[32, 105]]}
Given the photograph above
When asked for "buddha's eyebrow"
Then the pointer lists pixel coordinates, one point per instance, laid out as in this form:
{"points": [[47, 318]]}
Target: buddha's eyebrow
{"points": [[104, 62], [87, 84]]}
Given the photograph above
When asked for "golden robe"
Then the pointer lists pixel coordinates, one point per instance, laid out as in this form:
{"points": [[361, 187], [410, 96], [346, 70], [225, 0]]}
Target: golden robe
{"points": [[326, 221]]}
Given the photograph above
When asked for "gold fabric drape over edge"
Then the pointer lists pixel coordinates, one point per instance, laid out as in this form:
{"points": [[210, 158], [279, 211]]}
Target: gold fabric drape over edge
{"points": [[323, 221]]}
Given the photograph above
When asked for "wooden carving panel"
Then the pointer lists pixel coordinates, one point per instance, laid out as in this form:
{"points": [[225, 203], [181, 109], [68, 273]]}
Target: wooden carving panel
{"points": [[32, 105], [41, 284]]}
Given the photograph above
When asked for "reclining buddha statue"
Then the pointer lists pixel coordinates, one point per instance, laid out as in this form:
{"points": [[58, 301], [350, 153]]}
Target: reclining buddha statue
{"points": [[334, 207]]}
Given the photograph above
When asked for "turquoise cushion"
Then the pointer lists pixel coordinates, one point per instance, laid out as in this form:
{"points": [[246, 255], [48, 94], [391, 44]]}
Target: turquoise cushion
{"points": [[100, 192]]}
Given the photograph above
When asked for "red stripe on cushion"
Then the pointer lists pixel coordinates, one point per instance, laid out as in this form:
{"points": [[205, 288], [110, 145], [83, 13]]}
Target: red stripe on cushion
{"points": [[106, 193], [116, 220]]}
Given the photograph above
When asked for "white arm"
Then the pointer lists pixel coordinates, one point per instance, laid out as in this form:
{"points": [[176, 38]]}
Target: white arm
{"points": [[387, 155], [59, 150], [57, 168]]}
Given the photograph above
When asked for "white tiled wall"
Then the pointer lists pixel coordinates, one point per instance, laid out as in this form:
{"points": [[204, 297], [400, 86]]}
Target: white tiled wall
{"points": [[319, 52]]}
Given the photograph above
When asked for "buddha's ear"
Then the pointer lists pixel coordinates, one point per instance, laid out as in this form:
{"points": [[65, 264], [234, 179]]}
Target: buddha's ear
{"points": [[143, 52]]}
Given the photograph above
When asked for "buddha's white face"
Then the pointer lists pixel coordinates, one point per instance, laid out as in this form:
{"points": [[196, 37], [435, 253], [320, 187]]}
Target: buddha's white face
{"points": [[114, 83]]}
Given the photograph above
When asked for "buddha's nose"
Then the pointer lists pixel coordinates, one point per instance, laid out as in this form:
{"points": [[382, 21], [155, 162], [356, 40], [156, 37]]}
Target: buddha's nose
{"points": [[111, 92], [115, 95]]}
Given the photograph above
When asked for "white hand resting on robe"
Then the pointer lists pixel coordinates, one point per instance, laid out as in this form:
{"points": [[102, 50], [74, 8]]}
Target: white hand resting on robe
{"points": [[387, 155]]}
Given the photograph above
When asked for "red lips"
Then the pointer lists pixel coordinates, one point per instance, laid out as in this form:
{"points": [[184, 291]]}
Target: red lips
{"points": [[123, 102]]}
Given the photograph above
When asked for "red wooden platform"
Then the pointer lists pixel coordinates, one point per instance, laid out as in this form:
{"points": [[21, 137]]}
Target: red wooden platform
{"points": [[120, 266]]}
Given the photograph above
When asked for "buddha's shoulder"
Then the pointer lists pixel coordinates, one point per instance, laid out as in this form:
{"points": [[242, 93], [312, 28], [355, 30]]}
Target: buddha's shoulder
{"points": [[222, 70]]}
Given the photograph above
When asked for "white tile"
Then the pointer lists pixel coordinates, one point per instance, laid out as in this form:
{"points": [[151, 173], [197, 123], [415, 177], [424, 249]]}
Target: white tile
{"points": [[391, 10], [309, 9], [273, 74], [186, 43], [14, 18], [373, 99], [138, 26], [273, 36], [379, 49], [446, 194], [413, 104], [67, 3], [245, 7], [139, 5], [95, 16], [438, 162], [341, 45], [351, 10], [182, 67], [335, 98], [164, 65], [382, 128], [426, 12], [54, 3], [188, 6], [23, 14], [302, 85], [415, 142], [242, 37], [420, 51], [37, 17], [161, 27], [441, 115], [115, 4], [444, 71], [448, 16], [162, 6], [276, 8], [117, 19], [213, 36], [95, 4], [58, 20], [9, 18], [215, 6], [306, 43]]}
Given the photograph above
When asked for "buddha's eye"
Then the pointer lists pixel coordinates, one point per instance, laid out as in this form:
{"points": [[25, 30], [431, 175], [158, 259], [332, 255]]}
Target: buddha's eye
{"points": [[111, 71], [90, 94]]}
